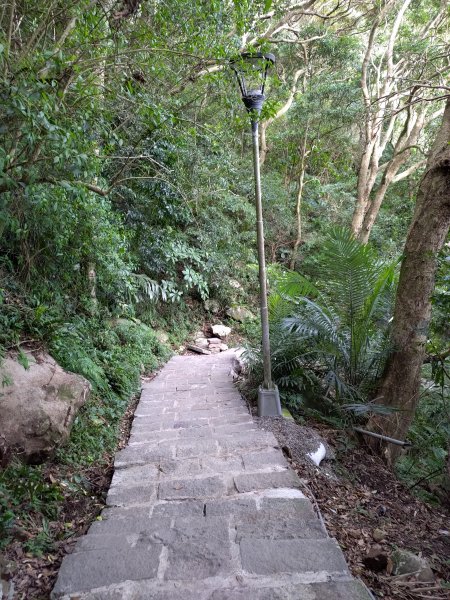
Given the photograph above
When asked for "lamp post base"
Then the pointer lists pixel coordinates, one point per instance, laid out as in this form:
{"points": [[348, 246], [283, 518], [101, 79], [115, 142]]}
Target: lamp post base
{"points": [[269, 402]]}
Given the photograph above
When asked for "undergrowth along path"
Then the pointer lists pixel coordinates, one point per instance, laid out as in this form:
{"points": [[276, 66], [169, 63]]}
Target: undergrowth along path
{"points": [[204, 506]]}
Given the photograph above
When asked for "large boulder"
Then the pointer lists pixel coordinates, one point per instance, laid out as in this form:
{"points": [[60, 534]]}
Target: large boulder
{"points": [[240, 313], [38, 404], [221, 331], [407, 563]]}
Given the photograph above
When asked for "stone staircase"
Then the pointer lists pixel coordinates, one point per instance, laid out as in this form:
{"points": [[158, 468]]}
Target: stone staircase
{"points": [[203, 506]]}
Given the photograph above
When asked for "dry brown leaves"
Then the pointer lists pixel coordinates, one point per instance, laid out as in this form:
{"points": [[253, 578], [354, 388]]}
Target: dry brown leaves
{"points": [[369, 511], [33, 577]]}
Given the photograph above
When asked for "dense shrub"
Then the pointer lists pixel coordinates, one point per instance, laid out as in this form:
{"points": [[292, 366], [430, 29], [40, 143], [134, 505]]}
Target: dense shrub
{"points": [[330, 337]]}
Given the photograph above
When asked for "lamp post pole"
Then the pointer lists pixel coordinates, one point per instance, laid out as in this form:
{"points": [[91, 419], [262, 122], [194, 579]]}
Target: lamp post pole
{"points": [[251, 64], [261, 261]]}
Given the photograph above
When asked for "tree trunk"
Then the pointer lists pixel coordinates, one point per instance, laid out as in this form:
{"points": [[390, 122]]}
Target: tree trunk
{"points": [[298, 205], [367, 174], [384, 99], [298, 215], [263, 148], [407, 139], [401, 381]]}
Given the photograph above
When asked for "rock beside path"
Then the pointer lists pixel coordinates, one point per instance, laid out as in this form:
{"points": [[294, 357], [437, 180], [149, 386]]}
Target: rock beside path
{"points": [[198, 349], [211, 343], [407, 563], [221, 331], [240, 313], [39, 401]]}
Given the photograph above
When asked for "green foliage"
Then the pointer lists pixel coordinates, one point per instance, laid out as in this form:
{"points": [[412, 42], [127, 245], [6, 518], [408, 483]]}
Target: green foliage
{"points": [[112, 356], [425, 462], [112, 359], [42, 542], [330, 338], [126, 200], [23, 491]]}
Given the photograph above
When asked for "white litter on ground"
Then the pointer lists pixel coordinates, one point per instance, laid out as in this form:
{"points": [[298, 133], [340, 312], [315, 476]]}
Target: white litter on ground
{"points": [[317, 456]]}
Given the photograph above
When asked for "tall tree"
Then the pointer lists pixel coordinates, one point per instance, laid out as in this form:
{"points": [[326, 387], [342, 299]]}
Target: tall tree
{"points": [[398, 82], [401, 382]]}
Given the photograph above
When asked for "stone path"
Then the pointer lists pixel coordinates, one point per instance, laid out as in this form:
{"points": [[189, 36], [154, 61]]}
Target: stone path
{"points": [[203, 506]]}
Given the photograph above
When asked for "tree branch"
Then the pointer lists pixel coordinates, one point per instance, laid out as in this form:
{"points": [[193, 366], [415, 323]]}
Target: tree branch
{"points": [[407, 172], [282, 111]]}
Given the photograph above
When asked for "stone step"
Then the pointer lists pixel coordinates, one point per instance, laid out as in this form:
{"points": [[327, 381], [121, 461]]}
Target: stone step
{"points": [[261, 556], [149, 451], [212, 486], [204, 506], [161, 590], [242, 525], [193, 549], [144, 436]]}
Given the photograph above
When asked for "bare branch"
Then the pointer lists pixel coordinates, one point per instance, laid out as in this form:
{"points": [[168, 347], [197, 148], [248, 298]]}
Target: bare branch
{"points": [[9, 35], [407, 172], [281, 111]]}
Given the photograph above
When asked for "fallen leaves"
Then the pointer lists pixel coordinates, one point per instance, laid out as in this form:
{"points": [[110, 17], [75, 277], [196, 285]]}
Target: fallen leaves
{"points": [[370, 512]]}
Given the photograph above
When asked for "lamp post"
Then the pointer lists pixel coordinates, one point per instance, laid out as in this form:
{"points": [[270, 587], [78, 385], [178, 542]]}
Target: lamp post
{"points": [[251, 73]]}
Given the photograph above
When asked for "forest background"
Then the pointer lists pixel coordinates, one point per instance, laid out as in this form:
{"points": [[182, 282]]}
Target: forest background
{"points": [[126, 192]]}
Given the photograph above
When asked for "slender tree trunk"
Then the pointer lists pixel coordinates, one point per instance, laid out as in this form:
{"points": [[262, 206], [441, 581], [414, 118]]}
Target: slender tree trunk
{"points": [[9, 35], [389, 177], [407, 139], [367, 174], [401, 381], [263, 147], [101, 79], [298, 205], [375, 205]]}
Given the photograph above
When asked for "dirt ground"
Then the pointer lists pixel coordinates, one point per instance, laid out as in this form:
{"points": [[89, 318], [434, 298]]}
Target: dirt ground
{"points": [[33, 578], [369, 511]]}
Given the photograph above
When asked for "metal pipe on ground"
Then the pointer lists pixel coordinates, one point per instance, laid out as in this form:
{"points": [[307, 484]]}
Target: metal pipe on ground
{"points": [[382, 437]]}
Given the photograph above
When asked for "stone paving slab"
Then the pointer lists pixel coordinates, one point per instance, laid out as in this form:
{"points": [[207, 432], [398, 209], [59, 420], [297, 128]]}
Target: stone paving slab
{"points": [[298, 555], [204, 506], [93, 568], [151, 590]]}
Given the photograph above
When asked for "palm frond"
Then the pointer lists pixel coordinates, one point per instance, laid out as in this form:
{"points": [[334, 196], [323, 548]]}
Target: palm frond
{"points": [[350, 270], [365, 409], [332, 338], [278, 307], [313, 320], [292, 285], [372, 323]]}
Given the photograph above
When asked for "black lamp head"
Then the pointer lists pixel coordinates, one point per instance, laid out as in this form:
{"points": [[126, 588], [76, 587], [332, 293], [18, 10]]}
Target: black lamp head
{"points": [[251, 72]]}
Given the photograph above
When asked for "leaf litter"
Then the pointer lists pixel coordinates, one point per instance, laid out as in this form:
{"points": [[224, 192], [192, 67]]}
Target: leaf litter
{"points": [[369, 511]]}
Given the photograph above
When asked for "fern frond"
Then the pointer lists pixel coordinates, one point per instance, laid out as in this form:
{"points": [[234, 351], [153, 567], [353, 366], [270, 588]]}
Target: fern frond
{"points": [[278, 307], [147, 288]]}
